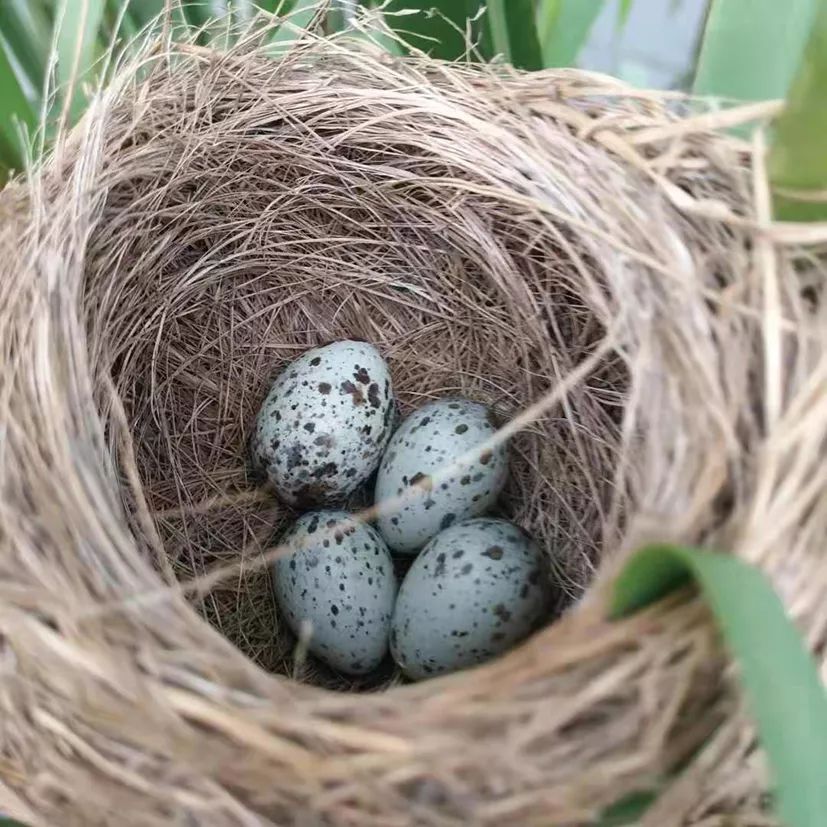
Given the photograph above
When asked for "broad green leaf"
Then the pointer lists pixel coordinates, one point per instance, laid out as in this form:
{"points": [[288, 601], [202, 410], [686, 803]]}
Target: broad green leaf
{"points": [[299, 13], [751, 48], [798, 158], [374, 28], [129, 26], [438, 26], [498, 26], [779, 678], [514, 32], [15, 110], [144, 11], [26, 29], [119, 23], [335, 20], [275, 6], [627, 811], [547, 12], [78, 24], [197, 13], [569, 31]]}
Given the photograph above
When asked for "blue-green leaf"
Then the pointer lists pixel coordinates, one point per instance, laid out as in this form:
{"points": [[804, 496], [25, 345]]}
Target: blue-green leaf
{"points": [[26, 29], [569, 29], [798, 158], [751, 48], [779, 678], [78, 24], [15, 111], [514, 32], [627, 811], [437, 27]]}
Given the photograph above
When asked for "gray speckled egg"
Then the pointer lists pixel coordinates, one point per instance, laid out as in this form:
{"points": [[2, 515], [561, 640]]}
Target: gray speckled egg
{"points": [[475, 590], [341, 581], [325, 423], [430, 439]]}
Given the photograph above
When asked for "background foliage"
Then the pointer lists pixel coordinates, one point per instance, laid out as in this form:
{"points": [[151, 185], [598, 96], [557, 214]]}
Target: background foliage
{"points": [[53, 51]]}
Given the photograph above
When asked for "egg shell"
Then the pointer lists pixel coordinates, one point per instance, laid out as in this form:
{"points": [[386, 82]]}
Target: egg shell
{"points": [[429, 440], [325, 423], [476, 590], [341, 581]]}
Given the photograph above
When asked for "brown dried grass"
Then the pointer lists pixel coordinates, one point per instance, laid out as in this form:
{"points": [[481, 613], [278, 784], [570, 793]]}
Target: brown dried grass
{"points": [[555, 239]]}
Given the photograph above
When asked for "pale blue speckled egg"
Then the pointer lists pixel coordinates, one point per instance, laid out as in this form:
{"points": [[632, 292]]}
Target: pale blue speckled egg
{"points": [[325, 423], [429, 440], [340, 581], [476, 590]]}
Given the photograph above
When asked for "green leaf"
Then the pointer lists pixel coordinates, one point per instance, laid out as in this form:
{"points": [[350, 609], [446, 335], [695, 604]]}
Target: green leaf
{"points": [[627, 811], [751, 48], [196, 13], [15, 110], [623, 12], [437, 27], [143, 11], [514, 32], [26, 29], [78, 24], [798, 160], [276, 6], [498, 25], [299, 13], [779, 678], [571, 26], [547, 13]]}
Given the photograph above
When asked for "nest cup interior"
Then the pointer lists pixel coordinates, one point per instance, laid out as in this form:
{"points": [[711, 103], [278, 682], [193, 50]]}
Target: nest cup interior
{"points": [[457, 308], [231, 242], [224, 259]]}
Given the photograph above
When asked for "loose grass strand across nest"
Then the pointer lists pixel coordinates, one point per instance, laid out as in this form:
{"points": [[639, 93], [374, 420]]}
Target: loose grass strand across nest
{"points": [[498, 235]]}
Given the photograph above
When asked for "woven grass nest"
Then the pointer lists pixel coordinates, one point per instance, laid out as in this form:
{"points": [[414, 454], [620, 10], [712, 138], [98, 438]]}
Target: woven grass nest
{"points": [[592, 260]]}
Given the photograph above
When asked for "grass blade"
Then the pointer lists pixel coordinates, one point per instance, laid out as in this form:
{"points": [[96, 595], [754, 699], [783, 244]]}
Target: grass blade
{"points": [[498, 25], [15, 110], [143, 11], [751, 48], [300, 15], [26, 29], [570, 28], [779, 678], [78, 23], [627, 811], [196, 13], [275, 6], [336, 19], [514, 32], [438, 28], [798, 161]]}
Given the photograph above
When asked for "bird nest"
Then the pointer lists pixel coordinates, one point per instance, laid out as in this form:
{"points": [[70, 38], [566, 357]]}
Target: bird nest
{"points": [[593, 261]]}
